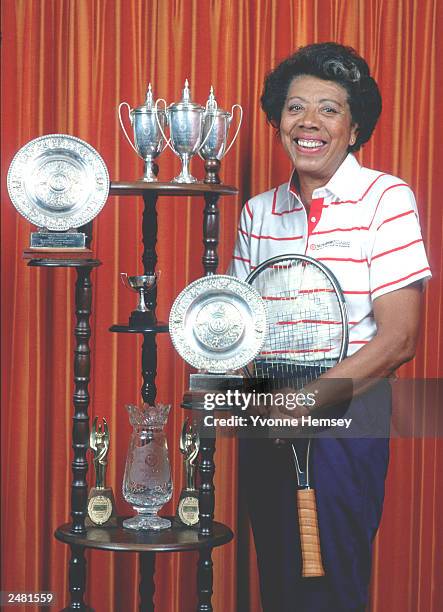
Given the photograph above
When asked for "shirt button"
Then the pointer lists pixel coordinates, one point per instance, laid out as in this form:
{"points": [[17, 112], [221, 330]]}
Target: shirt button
{"points": [[313, 219]]}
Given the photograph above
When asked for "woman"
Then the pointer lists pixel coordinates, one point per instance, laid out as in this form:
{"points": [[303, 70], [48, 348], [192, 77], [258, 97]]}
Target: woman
{"points": [[363, 224]]}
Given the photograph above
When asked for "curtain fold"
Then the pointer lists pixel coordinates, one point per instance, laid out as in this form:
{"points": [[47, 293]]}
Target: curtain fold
{"points": [[66, 66]]}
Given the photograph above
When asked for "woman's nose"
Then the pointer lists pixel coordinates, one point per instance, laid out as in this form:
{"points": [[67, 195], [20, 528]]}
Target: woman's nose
{"points": [[309, 118]]}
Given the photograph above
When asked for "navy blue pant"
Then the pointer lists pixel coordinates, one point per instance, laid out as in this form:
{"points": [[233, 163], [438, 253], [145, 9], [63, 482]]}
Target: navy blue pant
{"points": [[349, 476]]}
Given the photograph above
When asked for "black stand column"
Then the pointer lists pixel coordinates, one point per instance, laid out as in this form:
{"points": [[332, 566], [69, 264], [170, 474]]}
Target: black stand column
{"points": [[147, 584], [149, 373], [204, 580]]}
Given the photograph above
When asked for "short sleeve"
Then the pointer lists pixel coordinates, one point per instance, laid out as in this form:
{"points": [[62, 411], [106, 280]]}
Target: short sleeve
{"points": [[396, 254], [240, 265]]}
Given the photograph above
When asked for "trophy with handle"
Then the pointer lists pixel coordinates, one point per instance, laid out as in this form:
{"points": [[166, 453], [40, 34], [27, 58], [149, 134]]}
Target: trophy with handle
{"points": [[101, 503], [188, 507], [215, 136], [185, 120], [148, 123]]}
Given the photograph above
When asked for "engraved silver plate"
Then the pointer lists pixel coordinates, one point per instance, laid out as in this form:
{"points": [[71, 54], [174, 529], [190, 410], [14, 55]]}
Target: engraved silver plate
{"points": [[218, 323], [58, 182]]}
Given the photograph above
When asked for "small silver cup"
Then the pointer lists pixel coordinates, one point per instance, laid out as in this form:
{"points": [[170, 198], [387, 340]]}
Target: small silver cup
{"points": [[142, 315], [148, 137], [185, 119]]}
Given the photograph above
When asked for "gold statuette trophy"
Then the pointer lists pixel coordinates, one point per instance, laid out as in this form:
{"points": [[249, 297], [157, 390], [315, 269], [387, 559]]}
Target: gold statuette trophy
{"points": [[187, 509], [101, 504]]}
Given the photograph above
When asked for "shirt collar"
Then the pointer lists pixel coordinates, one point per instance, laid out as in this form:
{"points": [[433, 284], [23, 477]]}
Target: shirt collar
{"points": [[344, 184]]}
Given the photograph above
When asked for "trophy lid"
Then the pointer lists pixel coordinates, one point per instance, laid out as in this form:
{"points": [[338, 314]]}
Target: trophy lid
{"points": [[186, 102], [212, 107], [149, 103]]}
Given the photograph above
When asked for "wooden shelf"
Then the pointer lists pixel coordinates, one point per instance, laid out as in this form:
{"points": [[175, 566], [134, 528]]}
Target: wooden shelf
{"points": [[124, 188], [158, 328], [176, 539]]}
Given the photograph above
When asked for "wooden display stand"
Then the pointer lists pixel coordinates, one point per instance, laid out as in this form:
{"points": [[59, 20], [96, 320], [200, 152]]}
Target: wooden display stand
{"points": [[178, 538]]}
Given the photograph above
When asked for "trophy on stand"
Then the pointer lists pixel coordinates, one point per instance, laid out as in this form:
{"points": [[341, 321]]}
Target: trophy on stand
{"points": [[142, 316], [101, 504], [218, 325], [59, 183], [147, 484], [215, 136], [185, 119], [148, 123], [187, 509]]}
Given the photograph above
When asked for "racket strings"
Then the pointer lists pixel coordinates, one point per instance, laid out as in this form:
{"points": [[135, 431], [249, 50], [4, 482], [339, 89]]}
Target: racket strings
{"points": [[304, 322]]}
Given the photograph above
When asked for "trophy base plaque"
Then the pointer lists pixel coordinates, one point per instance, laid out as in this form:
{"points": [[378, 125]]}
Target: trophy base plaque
{"points": [[57, 254], [101, 508], [58, 240], [139, 319], [201, 384], [188, 508]]}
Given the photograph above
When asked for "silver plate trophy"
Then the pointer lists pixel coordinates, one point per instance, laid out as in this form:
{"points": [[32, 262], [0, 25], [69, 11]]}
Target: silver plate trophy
{"points": [[146, 121], [59, 183], [142, 316], [217, 324], [215, 136], [185, 120]]}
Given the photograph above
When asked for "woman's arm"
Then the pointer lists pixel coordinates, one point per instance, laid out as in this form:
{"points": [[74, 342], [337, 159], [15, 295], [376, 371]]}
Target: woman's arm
{"points": [[397, 315]]}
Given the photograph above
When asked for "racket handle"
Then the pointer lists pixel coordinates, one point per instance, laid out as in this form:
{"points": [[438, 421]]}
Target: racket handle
{"points": [[309, 534]]}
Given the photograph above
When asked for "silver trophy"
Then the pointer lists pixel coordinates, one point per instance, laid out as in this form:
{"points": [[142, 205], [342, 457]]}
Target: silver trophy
{"points": [[215, 136], [185, 119], [146, 121], [142, 316], [218, 325]]}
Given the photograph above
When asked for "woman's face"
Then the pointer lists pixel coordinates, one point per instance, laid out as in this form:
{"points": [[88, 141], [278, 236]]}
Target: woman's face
{"points": [[316, 127]]}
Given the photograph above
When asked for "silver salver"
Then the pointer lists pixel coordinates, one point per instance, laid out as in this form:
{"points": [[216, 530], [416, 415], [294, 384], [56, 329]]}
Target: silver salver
{"points": [[58, 182], [217, 324]]}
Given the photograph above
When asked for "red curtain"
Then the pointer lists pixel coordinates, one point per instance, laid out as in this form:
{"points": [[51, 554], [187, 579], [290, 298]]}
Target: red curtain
{"points": [[66, 65]]}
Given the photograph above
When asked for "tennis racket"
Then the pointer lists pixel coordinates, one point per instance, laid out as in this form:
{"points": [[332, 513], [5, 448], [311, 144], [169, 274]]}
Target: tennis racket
{"points": [[307, 334]]}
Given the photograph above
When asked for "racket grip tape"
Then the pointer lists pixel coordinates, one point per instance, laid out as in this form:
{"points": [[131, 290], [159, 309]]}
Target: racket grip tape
{"points": [[309, 534]]}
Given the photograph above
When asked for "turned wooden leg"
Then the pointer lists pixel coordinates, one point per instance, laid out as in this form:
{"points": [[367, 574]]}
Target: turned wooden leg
{"points": [[207, 490], [147, 584], [204, 580], [77, 580]]}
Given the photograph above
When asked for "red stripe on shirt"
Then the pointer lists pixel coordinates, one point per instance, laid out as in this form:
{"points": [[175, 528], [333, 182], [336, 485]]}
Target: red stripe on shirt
{"points": [[404, 214], [380, 198], [342, 259], [404, 246], [283, 212], [241, 258], [280, 352], [401, 279], [260, 237], [308, 321], [363, 196], [340, 229], [249, 211]]}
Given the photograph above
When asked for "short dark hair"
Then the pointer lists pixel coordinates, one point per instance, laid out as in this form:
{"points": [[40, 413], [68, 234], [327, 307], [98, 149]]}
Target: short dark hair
{"points": [[331, 62]]}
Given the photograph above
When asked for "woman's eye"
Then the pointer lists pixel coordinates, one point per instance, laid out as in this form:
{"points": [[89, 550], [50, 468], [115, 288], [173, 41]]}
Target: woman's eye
{"points": [[329, 110], [295, 107]]}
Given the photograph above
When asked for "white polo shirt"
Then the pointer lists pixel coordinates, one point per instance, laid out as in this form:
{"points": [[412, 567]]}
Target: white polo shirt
{"points": [[362, 224]]}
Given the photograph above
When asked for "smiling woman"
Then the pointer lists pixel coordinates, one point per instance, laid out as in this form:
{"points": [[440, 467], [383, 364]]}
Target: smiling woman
{"points": [[316, 130], [364, 225]]}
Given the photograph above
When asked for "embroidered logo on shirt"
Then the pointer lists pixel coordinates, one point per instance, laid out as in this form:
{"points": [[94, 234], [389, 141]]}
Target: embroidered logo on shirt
{"points": [[331, 243]]}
